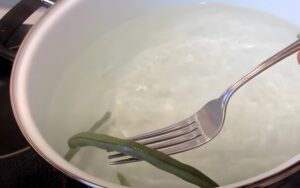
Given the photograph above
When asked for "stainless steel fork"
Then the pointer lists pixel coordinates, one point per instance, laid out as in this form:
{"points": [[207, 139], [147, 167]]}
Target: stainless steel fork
{"points": [[205, 124]]}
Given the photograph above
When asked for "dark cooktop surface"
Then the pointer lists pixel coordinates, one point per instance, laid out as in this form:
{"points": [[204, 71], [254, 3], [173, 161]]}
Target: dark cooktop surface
{"points": [[11, 138], [28, 169]]}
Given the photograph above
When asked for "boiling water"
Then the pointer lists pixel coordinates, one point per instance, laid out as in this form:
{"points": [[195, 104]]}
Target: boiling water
{"points": [[157, 69]]}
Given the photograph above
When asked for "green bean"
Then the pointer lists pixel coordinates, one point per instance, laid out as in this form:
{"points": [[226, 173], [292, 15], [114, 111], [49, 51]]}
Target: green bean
{"points": [[72, 152], [99, 123], [139, 151], [122, 179]]}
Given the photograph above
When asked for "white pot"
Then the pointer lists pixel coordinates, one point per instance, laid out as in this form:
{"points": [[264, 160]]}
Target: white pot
{"points": [[57, 40]]}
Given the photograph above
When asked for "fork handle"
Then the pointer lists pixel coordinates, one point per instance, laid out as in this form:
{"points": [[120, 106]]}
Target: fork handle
{"points": [[289, 50]]}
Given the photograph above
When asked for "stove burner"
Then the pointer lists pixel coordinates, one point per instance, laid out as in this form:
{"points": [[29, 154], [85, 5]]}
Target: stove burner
{"points": [[28, 169]]}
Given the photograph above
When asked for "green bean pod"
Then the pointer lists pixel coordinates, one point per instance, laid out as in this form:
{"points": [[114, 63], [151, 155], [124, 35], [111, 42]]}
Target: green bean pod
{"points": [[122, 179], [139, 151]]}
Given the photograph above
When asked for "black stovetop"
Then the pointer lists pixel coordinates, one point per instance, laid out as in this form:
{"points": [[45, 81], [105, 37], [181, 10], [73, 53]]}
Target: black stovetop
{"points": [[28, 169]]}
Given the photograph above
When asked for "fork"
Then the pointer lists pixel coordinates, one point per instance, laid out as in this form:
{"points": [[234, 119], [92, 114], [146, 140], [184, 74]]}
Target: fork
{"points": [[205, 124]]}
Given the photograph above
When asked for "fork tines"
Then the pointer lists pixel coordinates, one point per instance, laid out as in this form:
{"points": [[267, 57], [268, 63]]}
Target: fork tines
{"points": [[176, 138]]}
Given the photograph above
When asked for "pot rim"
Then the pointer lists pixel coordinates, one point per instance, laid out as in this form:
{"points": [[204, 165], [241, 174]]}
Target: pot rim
{"points": [[34, 137]]}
